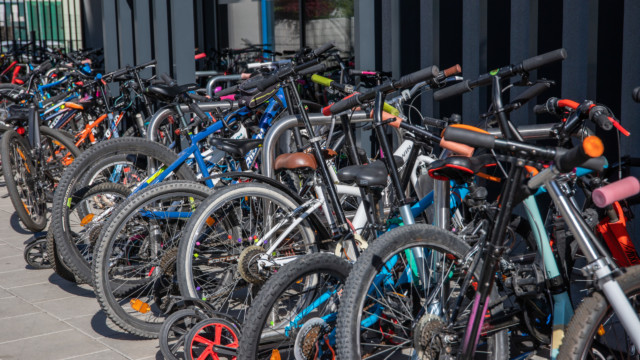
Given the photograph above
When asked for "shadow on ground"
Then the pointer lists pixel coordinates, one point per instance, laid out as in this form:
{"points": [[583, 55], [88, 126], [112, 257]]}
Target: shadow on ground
{"points": [[70, 287]]}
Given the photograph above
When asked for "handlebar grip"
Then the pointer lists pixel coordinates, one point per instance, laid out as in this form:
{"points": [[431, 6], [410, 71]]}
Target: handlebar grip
{"points": [[541, 109], [354, 72], [591, 147], [636, 94], [44, 66], [228, 91], [468, 137], [345, 104], [531, 92], [454, 70], [322, 49], [298, 68], [200, 56], [416, 77], [199, 113], [616, 191], [390, 109], [197, 97], [596, 164], [321, 80], [456, 89], [147, 64], [314, 69], [600, 116], [547, 58]]}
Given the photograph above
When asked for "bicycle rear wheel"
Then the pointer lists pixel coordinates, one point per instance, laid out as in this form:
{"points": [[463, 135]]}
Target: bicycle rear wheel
{"points": [[27, 196], [396, 305]]}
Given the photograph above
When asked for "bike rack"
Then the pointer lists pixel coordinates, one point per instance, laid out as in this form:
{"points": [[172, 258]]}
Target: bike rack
{"points": [[205, 106], [288, 122], [215, 80]]}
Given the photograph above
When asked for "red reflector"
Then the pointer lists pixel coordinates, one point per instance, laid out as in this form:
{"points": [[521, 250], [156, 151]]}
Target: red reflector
{"points": [[20, 130], [177, 131]]}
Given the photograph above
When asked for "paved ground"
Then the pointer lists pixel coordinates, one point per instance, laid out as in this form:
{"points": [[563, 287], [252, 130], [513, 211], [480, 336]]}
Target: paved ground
{"points": [[43, 316]]}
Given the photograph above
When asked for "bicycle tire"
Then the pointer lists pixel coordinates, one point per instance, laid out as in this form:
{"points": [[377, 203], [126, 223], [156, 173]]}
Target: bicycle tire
{"points": [[57, 263], [367, 267], [261, 309], [588, 318], [107, 289], [217, 332], [231, 275], [36, 254], [59, 137], [174, 331], [67, 186], [36, 198]]}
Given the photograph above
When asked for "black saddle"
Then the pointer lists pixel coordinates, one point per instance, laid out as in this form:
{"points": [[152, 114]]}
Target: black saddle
{"points": [[374, 174], [460, 168], [169, 92], [235, 147]]}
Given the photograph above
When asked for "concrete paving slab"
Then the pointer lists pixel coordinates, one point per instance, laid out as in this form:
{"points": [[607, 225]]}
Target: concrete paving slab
{"points": [[102, 355], [12, 263], [70, 307], [24, 277], [60, 345], [13, 306], [49, 291], [19, 327]]}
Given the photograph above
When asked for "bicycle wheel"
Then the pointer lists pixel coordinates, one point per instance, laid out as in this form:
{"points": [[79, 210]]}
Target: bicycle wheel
{"points": [[58, 152], [35, 254], [88, 204], [215, 339], [57, 263], [124, 160], [134, 265], [174, 331], [294, 313], [217, 258], [162, 130], [394, 305], [595, 331], [27, 197]]}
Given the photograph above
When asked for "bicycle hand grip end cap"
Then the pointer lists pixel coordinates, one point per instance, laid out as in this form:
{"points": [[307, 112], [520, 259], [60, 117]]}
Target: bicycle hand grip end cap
{"points": [[591, 147], [468, 137], [456, 89], [416, 77], [636, 94], [616, 191], [547, 58]]}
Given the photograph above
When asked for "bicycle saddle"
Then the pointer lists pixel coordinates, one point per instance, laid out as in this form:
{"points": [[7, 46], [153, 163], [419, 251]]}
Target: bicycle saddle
{"points": [[168, 92], [297, 160], [374, 174], [460, 168], [235, 147]]}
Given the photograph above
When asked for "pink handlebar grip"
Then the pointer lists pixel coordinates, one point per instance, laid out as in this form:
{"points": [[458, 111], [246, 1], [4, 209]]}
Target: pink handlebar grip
{"points": [[245, 76], [457, 148], [200, 56], [616, 191], [228, 97]]}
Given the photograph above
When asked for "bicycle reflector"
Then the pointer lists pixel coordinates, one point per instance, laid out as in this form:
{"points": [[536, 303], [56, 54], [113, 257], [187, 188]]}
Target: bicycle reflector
{"points": [[85, 220], [593, 146], [275, 354], [20, 130], [140, 306]]}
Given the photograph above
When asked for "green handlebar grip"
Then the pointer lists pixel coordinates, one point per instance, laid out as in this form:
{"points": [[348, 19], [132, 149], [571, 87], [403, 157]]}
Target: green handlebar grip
{"points": [[321, 80], [390, 109]]}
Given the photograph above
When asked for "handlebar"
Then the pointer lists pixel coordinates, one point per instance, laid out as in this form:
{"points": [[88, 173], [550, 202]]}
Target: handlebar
{"points": [[406, 81], [228, 91], [505, 72]]}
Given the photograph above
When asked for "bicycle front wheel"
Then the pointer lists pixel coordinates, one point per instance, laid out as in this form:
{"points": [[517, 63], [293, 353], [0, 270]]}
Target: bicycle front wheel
{"points": [[595, 331], [28, 198]]}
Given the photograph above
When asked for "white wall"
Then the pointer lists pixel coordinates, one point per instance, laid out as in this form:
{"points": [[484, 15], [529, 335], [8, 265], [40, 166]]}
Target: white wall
{"points": [[244, 22]]}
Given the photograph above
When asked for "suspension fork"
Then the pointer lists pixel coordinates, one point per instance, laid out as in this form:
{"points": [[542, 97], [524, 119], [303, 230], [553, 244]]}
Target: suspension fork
{"points": [[562, 307], [493, 252], [600, 266]]}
